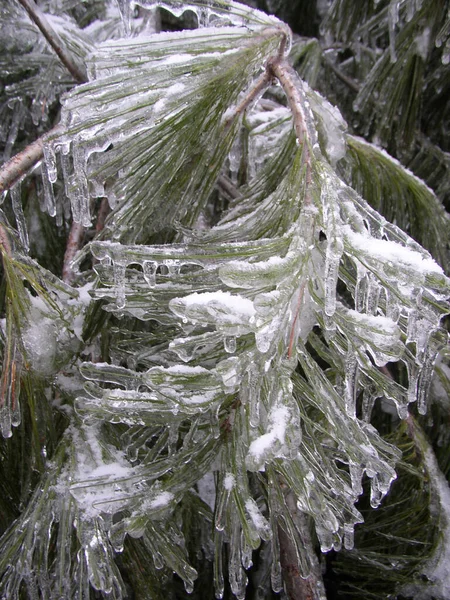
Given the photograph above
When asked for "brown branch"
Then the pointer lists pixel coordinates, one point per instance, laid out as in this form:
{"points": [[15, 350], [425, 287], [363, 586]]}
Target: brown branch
{"points": [[261, 84], [299, 586], [287, 76], [17, 166], [38, 17]]}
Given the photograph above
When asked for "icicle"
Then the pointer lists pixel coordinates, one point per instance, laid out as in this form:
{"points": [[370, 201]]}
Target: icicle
{"points": [[351, 371], [229, 344], [356, 473], [188, 586], [332, 262], [16, 120], [119, 269], [222, 502], [78, 188], [361, 287], [149, 268], [246, 554], [349, 536], [50, 162], [236, 574], [5, 420], [16, 203], [369, 398], [426, 373], [258, 521], [49, 204], [373, 295], [392, 307], [117, 535], [393, 17], [250, 389]]}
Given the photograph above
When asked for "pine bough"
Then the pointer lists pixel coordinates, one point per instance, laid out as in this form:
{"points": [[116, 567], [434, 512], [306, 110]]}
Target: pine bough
{"points": [[251, 350]]}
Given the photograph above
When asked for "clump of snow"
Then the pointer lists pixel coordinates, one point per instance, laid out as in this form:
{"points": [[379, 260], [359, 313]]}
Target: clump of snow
{"points": [[161, 500], [393, 252], [271, 442], [229, 482]]}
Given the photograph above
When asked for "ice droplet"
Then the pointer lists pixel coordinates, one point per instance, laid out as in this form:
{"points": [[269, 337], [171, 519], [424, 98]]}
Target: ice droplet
{"points": [[229, 344], [149, 268]]}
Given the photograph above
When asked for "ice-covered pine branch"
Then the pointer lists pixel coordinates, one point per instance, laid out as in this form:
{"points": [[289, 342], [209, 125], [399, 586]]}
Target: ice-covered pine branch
{"points": [[210, 362]]}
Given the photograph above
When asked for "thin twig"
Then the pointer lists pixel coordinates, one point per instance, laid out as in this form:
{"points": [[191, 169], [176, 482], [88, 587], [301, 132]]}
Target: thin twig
{"points": [[54, 40], [21, 163], [340, 75], [261, 84], [228, 187], [103, 212]]}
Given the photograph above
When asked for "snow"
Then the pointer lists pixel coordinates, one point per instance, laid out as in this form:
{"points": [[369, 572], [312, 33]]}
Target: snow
{"points": [[160, 501], [235, 303], [257, 519], [278, 421], [229, 482], [394, 252]]}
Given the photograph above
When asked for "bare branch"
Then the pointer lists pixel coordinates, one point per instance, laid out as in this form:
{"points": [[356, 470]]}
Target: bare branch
{"points": [[299, 586], [261, 84], [21, 163], [54, 40]]}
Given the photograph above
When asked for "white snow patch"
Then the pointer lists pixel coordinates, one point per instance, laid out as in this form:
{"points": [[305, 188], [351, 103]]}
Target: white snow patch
{"points": [[229, 482], [237, 304], [159, 501], [391, 251], [278, 422]]}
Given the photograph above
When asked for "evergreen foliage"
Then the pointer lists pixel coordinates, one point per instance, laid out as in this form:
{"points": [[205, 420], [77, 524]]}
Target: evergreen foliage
{"points": [[223, 342]]}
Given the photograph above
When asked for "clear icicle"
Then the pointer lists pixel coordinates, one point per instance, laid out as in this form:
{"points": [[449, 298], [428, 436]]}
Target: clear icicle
{"points": [[50, 162], [393, 17], [119, 282], [149, 268], [229, 344], [16, 203], [351, 371], [49, 205]]}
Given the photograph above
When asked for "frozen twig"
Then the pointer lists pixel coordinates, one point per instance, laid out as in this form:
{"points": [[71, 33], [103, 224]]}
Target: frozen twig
{"points": [[74, 242], [261, 84], [286, 76], [21, 163], [54, 40], [340, 75], [103, 212]]}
